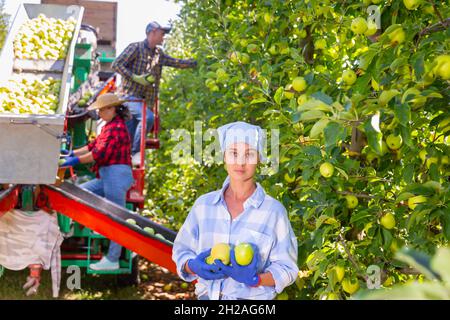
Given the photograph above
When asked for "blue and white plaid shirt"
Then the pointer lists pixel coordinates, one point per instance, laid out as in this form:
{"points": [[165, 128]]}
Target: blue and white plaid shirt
{"points": [[264, 223]]}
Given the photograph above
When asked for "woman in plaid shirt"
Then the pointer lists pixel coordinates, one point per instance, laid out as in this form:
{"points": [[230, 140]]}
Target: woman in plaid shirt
{"points": [[111, 152], [239, 212]]}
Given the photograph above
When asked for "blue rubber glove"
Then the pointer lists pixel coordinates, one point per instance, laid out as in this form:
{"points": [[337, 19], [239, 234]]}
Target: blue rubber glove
{"points": [[204, 270], [71, 161], [67, 152], [245, 274]]}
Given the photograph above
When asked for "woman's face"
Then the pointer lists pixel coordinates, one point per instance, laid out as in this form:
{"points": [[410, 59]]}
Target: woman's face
{"points": [[107, 114], [241, 161]]}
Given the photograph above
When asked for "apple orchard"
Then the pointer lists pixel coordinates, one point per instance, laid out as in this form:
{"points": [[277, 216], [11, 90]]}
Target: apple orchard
{"points": [[362, 106]]}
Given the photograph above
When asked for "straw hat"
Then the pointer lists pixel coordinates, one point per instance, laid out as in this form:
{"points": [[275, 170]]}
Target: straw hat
{"points": [[106, 100]]}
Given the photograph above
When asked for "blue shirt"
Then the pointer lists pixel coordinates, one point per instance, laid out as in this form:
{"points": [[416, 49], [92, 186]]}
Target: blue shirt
{"points": [[264, 223]]}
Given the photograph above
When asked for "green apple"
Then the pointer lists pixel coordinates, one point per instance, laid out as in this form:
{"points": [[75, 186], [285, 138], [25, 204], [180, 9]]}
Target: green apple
{"points": [[82, 103], [340, 272], [397, 36], [349, 77], [320, 44], [371, 29], [412, 4], [287, 91], [288, 178], [221, 251], [442, 66], [351, 201], [388, 221], [430, 161], [416, 200], [359, 25], [245, 58], [160, 236], [149, 230], [209, 260], [131, 221], [243, 254], [184, 285], [299, 84], [326, 169], [273, 50], [394, 142], [252, 48]]}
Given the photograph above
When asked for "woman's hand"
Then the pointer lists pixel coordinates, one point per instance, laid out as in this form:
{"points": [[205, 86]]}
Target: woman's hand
{"points": [[68, 153], [205, 271], [70, 162], [245, 274]]}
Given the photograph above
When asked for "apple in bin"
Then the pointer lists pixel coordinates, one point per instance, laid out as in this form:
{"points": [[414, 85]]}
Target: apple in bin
{"points": [[243, 254]]}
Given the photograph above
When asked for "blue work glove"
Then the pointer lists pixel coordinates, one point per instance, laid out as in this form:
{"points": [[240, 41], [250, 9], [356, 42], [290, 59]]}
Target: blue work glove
{"points": [[70, 162], [204, 270], [68, 153], [245, 274]]}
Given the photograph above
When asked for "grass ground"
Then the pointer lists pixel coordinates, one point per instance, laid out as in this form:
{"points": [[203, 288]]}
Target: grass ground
{"points": [[156, 283]]}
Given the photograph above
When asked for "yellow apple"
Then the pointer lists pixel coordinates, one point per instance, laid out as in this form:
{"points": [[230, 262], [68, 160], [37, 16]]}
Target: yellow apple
{"points": [[394, 142], [388, 221], [359, 25], [326, 169], [350, 286], [397, 36], [299, 84], [243, 254], [221, 251], [412, 4], [349, 77], [351, 201]]}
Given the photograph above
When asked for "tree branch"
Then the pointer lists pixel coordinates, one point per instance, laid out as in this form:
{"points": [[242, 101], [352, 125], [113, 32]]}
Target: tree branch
{"points": [[442, 25], [350, 257]]}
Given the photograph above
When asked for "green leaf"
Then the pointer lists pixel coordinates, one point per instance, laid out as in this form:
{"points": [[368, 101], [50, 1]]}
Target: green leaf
{"points": [[318, 128], [366, 58], [360, 216], [373, 132], [278, 95], [416, 260], [319, 95], [408, 173], [418, 64], [344, 174], [445, 218], [440, 263], [311, 115], [258, 100], [406, 135], [314, 104], [402, 113], [397, 63]]}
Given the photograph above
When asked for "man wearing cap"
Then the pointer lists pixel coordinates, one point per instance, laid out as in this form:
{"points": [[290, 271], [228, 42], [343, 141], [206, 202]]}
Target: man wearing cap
{"points": [[240, 212], [140, 66]]}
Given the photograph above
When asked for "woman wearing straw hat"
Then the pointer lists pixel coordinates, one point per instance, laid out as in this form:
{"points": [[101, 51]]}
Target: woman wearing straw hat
{"points": [[241, 212], [111, 152]]}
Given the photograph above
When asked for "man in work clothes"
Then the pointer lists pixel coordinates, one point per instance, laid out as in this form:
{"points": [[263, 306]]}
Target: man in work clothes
{"points": [[140, 66]]}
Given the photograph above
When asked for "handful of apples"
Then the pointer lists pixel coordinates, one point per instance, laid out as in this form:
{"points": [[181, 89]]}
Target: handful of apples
{"points": [[243, 254]]}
